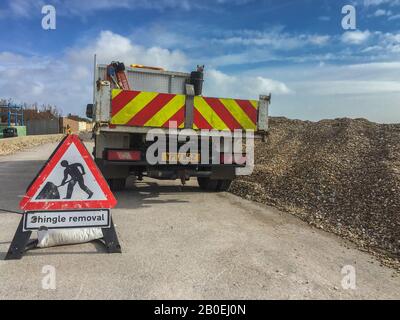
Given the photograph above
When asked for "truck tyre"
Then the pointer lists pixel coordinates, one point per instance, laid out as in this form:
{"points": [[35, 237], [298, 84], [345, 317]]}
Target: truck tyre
{"points": [[207, 184], [117, 184]]}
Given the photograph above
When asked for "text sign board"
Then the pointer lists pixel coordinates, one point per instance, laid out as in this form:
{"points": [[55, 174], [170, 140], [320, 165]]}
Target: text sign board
{"points": [[67, 219]]}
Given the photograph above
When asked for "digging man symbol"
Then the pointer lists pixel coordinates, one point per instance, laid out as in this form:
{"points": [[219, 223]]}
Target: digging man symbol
{"points": [[76, 172]]}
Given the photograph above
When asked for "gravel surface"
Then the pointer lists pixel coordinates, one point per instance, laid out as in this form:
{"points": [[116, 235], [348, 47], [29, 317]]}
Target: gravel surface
{"points": [[11, 145], [339, 175]]}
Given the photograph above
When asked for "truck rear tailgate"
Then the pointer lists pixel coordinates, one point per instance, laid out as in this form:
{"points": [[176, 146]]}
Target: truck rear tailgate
{"points": [[161, 110]]}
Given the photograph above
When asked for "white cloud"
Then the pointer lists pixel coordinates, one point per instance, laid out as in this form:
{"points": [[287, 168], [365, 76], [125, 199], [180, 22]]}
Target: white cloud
{"points": [[220, 84], [251, 55], [366, 78], [324, 18], [389, 42], [67, 82], [8, 57], [37, 88], [382, 12], [83, 7], [318, 39], [273, 39], [110, 46], [25, 8], [372, 49], [371, 3], [251, 47], [351, 87], [356, 37]]}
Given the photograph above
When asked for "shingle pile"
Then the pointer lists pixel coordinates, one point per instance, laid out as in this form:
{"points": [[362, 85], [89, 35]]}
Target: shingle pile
{"points": [[11, 145], [340, 175]]}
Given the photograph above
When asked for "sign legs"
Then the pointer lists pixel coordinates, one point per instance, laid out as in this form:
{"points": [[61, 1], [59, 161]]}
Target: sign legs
{"points": [[110, 239], [19, 243]]}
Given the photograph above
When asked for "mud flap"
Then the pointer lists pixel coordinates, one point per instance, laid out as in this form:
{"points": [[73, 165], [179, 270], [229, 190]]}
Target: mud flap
{"points": [[222, 173]]}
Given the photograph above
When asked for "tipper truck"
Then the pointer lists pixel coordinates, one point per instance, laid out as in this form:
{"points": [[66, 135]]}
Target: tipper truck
{"points": [[153, 102]]}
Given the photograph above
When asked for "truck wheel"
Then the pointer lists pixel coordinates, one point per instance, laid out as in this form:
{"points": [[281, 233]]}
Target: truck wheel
{"points": [[116, 184], [223, 185], [213, 185], [207, 184]]}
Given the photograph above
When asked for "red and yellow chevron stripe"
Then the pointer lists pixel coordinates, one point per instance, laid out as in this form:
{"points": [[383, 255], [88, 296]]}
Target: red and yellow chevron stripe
{"points": [[147, 109], [225, 114], [152, 109]]}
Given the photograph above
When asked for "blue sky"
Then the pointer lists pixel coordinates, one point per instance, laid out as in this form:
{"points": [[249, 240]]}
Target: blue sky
{"points": [[297, 50]]}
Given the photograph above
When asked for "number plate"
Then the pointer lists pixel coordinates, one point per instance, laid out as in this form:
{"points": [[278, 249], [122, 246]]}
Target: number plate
{"points": [[180, 157]]}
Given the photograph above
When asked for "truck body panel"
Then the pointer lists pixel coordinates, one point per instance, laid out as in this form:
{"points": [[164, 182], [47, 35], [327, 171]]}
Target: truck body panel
{"points": [[150, 80]]}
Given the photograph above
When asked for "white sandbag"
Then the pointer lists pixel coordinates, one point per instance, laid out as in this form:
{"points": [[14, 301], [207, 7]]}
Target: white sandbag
{"points": [[58, 237]]}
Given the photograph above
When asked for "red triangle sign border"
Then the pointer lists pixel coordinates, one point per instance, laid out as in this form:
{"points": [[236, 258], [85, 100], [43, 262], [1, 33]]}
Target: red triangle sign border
{"points": [[27, 204]]}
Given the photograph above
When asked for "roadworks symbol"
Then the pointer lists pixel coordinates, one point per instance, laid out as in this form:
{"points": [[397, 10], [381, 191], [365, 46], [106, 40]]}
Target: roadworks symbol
{"points": [[71, 179], [75, 173]]}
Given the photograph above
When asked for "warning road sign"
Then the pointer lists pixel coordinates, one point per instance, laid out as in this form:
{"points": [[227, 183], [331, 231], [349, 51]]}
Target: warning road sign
{"points": [[69, 180]]}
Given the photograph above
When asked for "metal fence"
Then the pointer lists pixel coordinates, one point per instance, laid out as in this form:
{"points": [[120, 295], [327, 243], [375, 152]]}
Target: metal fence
{"points": [[42, 126]]}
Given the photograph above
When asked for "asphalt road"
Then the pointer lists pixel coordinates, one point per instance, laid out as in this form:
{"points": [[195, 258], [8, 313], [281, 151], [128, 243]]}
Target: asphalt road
{"points": [[181, 243]]}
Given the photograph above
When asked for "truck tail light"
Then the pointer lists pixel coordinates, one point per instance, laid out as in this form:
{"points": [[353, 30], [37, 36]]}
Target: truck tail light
{"points": [[123, 155], [227, 158]]}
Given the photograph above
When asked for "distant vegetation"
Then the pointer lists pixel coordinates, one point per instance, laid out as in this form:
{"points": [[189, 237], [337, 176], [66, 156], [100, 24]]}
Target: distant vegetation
{"points": [[36, 111]]}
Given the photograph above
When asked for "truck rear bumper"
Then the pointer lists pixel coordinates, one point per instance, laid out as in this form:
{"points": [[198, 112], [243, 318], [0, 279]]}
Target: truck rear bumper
{"points": [[106, 128], [122, 169]]}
